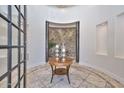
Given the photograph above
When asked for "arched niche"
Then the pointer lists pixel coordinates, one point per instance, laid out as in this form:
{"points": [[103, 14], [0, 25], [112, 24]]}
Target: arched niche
{"points": [[59, 33]]}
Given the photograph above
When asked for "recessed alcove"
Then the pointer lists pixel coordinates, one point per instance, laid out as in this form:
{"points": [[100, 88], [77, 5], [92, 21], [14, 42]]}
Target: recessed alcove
{"points": [[101, 38], [62, 33], [119, 36]]}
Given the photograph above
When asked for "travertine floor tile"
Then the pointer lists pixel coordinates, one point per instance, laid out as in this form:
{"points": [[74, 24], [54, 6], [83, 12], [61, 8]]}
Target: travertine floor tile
{"points": [[86, 84], [80, 77], [96, 80]]}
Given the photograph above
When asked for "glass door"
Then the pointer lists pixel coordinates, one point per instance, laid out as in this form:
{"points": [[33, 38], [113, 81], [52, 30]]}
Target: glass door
{"points": [[12, 46]]}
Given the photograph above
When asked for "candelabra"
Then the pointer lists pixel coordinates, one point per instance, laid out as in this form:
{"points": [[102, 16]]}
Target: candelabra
{"points": [[63, 52], [57, 52], [60, 52]]}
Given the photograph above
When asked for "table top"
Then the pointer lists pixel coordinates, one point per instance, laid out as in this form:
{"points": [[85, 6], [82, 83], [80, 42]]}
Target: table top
{"points": [[57, 62]]}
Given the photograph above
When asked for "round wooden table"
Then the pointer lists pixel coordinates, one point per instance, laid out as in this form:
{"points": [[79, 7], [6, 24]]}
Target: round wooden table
{"points": [[60, 67]]}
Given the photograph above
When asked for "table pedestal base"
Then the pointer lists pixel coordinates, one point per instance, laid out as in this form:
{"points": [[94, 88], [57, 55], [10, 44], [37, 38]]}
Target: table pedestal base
{"points": [[60, 71]]}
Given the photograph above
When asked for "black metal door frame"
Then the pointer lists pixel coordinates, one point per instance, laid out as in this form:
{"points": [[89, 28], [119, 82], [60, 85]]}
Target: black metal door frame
{"points": [[9, 46]]}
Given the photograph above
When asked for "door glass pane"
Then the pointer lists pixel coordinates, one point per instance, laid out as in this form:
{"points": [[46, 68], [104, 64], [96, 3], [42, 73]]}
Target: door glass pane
{"points": [[22, 9], [3, 61], [22, 22], [14, 15], [21, 83], [14, 57], [3, 83], [22, 38], [3, 32], [22, 69], [14, 77], [14, 36], [22, 54], [4, 10]]}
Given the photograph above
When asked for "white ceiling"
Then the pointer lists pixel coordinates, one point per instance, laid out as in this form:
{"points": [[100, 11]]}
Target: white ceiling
{"points": [[62, 6]]}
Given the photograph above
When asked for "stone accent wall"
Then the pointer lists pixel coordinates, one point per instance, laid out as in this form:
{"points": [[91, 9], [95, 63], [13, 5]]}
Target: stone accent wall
{"points": [[63, 35]]}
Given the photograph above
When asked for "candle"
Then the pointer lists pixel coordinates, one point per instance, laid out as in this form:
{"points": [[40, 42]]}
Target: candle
{"points": [[57, 58], [63, 50], [63, 55], [57, 46], [63, 59], [57, 55], [57, 50]]}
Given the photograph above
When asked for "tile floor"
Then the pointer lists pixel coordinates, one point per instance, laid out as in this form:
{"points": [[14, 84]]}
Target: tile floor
{"points": [[80, 77]]}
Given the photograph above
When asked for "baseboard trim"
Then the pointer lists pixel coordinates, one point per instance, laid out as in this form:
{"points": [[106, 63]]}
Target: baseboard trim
{"points": [[120, 79], [36, 64]]}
